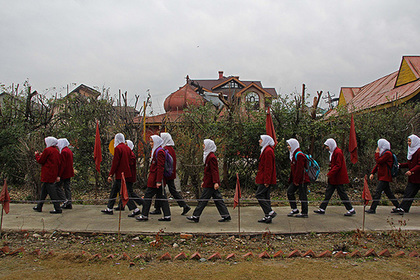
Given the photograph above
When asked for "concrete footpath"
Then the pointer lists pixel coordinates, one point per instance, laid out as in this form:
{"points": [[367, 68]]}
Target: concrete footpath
{"points": [[88, 218]]}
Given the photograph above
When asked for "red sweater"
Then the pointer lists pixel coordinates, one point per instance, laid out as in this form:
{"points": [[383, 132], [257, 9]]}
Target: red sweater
{"points": [[211, 172], [121, 161], [50, 160], [66, 163], [414, 166], [171, 151], [132, 178], [298, 174], [383, 166], [338, 170], [156, 169], [266, 167]]}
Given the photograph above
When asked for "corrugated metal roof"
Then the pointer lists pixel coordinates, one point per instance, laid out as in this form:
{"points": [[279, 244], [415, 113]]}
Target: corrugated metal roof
{"points": [[383, 92]]}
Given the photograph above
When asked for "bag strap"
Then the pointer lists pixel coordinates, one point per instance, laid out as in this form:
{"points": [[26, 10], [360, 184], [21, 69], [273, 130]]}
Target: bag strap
{"points": [[299, 152], [392, 157], [157, 150]]}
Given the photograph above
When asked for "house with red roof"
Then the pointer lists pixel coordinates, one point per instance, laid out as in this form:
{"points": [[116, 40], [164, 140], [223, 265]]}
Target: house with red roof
{"points": [[221, 92], [398, 87]]}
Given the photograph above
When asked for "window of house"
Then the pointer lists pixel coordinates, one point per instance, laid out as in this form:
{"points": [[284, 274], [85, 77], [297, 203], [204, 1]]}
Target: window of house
{"points": [[231, 84], [253, 100]]}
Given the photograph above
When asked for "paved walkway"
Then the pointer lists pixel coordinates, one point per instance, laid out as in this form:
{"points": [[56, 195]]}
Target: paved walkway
{"points": [[88, 218]]}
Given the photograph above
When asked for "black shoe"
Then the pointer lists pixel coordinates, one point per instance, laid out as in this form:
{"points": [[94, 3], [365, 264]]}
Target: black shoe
{"points": [[108, 212], [165, 219], [135, 213], [193, 218], [398, 211], [142, 218], [67, 206], [319, 211], [186, 209], [370, 211], [56, 212], [266, 220], [301, 216], [37, 209], [294, 212], [155, 212], [118, 208], [225, 219], [350, 213], [273, 215]]}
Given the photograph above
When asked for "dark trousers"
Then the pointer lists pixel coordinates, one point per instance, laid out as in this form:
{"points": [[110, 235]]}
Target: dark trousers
{"points": [[160, 195], [133, 197], [263, 197], [178, 197], [341, 193], [49, 189], [383, 186], [303, 196], [410, 192], [115, 190], [63, 190], [218, 201]]}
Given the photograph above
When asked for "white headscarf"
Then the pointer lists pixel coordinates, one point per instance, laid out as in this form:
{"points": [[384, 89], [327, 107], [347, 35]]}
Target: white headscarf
{"points": [[62, 143], [130, 144], [209, 147], [415, 145], [266, 141], [332, 145], [167, 139], [118, 139], [294, 144], [157, 142], [383, 145], [51, 141]]}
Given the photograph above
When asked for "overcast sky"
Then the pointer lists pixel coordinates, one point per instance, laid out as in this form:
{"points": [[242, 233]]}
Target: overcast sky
{"points": [[153, 45]]}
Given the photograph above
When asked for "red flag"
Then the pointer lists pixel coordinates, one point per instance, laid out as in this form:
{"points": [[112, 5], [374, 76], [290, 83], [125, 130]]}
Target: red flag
{"points": [[353, 142], [124, 193], [366, 196], [269, 127], [237, 192], [5, 198], [97, 153]]}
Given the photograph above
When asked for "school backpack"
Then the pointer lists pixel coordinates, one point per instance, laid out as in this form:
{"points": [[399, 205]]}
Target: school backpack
{"points": [[169, 163], [395, 168], [312, 167]]}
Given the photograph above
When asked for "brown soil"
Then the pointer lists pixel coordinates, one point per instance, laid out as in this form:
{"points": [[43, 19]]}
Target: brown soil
{"points": [[60, 255]]}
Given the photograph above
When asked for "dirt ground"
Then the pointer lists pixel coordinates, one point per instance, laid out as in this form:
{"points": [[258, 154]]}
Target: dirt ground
{"points": [[65, 255], [68, 255]]}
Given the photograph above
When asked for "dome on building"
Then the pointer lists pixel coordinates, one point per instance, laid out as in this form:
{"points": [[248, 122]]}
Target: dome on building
{"points": [[182, 98]]}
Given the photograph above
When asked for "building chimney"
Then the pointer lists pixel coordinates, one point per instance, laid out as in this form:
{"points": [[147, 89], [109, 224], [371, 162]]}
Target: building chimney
{"points": [[220, 75]]}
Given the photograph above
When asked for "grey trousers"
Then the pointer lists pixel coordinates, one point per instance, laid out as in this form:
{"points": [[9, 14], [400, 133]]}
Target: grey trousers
{"points": [[218, 201]]}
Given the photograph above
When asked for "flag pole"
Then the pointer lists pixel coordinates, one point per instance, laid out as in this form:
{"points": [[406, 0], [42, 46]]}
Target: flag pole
{"points": [[119, 215], [239, 217], [364, 213], [366, 196], [1, 224]]}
